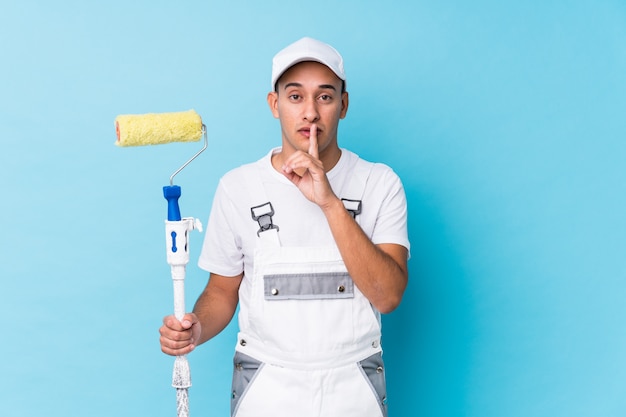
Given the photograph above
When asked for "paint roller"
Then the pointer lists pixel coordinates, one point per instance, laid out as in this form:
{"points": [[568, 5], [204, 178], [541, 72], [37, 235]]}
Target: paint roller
{"points": [[157, 129]]}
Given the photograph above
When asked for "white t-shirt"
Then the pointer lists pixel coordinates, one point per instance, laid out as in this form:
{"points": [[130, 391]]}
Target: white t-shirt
{"points": [[231, 233]]}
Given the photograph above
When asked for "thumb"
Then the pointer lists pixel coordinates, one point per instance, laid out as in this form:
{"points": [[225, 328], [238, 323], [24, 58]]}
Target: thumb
{"points": [[188, 321]]}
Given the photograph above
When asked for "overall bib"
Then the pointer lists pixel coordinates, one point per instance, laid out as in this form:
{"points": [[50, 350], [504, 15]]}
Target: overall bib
{"points": [[312, 346]]}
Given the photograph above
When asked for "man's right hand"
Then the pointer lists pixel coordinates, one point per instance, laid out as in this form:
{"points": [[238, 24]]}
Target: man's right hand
{"points": [[179, 337]]}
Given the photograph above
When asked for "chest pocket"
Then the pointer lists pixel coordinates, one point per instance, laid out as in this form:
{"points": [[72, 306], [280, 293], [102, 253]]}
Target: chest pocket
{"points": [[311, 286], [305, 304]]}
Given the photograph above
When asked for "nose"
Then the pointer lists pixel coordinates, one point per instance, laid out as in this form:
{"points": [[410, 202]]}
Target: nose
{"points": [[311, 114]]}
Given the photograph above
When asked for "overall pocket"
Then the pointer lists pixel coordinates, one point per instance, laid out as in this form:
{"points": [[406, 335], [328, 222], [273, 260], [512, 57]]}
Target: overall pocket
{"points": [[245, 370], [373, 370]]}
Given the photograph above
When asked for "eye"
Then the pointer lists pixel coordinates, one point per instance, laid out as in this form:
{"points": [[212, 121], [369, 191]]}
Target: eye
{"points": [[326, 97], [294, 97]]}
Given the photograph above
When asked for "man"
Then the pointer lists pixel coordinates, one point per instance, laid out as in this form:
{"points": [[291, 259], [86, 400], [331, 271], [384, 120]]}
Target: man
{"points": [[311, 243]]}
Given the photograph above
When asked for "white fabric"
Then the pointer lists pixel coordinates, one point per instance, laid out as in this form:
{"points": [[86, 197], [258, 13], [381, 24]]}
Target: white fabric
{"points": [[301, 341], [338, 392], [309, 334], [231, 235], [326, 337]]}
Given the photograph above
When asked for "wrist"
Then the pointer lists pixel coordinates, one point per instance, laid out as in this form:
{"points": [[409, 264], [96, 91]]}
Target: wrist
{"points": [[333, 207]]}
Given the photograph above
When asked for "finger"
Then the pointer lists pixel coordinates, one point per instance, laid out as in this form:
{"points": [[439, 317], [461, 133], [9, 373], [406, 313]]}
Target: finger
{"points": [[313, 149], [176, 335], [171, 322], [176, 349], [187, 321]]}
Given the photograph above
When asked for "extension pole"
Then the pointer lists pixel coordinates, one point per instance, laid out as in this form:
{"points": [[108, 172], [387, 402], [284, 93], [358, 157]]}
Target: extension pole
{"points": [[177, 244]]}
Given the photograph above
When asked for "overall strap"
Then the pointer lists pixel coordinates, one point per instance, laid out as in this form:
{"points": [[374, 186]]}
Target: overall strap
{"points": [[355, 188], [263, 211]]}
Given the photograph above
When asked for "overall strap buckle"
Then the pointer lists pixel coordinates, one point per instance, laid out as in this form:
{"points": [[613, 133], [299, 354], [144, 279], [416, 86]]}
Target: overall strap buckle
{"points": [[263, 214], [353, 206]]}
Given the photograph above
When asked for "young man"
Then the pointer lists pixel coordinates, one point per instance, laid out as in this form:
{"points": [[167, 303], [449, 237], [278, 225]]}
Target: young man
{"points": [[311, 243]]}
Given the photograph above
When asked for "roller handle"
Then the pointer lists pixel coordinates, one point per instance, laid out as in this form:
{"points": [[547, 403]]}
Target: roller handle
{"points": [[171, 194]]}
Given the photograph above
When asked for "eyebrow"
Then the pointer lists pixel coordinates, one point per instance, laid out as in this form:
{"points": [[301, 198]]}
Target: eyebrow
{"points": [[324, 86]]}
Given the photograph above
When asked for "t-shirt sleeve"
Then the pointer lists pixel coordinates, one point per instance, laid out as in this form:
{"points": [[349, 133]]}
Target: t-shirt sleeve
{"points": [[391, 220], [221, 251]]}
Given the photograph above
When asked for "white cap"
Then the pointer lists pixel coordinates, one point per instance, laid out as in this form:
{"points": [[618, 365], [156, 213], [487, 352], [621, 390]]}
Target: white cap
{"points": [[307, 49]]}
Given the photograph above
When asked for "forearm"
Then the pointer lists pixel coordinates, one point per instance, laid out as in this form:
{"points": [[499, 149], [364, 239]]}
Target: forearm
{"points": [[380, 272], [216, 305]]}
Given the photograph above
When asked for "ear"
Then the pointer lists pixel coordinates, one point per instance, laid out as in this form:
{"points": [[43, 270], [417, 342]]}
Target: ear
{"points": [[272, 101], [344, 104]]}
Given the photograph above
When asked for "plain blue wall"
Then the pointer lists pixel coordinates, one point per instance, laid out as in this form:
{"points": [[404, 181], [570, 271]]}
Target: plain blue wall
{"points": [[506, 121]]}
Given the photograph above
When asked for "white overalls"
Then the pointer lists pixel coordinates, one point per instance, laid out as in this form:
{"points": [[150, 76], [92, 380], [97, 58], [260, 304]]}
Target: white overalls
{"points": [[312, 348]]}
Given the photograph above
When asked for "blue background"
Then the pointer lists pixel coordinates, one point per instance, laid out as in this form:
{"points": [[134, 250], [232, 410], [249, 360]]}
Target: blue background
{"points": [[505, 119]]}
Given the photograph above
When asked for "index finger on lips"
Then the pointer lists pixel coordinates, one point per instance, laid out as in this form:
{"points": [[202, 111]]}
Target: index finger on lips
{"points": [[313, 151]]}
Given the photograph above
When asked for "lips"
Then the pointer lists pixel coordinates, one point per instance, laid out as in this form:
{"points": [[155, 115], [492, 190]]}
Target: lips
{"points": [[306, 131]]}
